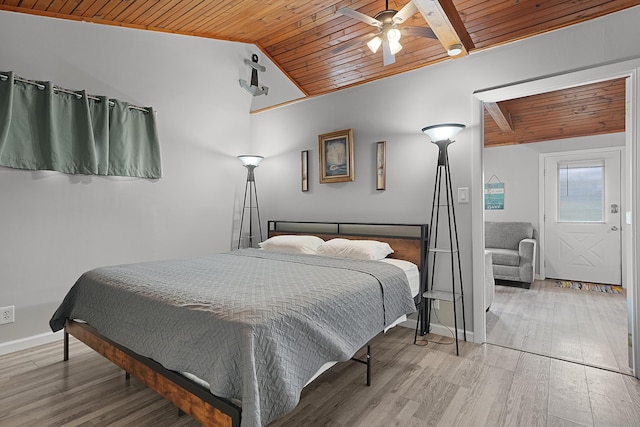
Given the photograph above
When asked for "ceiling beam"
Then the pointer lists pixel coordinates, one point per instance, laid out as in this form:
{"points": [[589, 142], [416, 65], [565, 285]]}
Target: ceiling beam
{"points": [[500, 115], [444, 20]]}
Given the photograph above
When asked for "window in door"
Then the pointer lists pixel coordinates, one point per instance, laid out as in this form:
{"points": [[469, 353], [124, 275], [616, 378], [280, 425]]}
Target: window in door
{"points": [[581, 191]]}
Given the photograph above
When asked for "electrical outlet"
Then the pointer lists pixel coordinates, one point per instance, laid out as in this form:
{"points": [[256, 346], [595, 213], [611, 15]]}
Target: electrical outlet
{"points": [[436, 304], [7, 314]]}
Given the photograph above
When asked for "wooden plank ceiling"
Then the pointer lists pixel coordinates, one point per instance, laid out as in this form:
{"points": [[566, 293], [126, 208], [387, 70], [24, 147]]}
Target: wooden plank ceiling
{"points": [[299, 35], [593, 109]]}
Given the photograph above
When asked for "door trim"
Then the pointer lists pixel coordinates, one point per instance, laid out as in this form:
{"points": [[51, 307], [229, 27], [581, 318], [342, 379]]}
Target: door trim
{"points": [[541, 201], [606, 71]]}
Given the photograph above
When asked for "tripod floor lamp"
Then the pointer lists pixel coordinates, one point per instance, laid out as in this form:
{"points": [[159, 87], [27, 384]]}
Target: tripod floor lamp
{"points": [[250, 162], [443, 237]]}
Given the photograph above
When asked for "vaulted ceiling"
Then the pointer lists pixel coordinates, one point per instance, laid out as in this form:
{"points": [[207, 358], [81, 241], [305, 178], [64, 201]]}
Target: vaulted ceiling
{"points": [[300, 35], [322, 50]]}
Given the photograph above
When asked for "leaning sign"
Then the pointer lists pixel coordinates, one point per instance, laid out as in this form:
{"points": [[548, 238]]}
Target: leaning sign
{"points": [[494, 196]]}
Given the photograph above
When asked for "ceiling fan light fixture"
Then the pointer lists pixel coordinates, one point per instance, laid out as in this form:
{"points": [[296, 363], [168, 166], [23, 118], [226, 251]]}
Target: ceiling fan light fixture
{"points": [[454, 49], [374, 44], [393, 35], [394, 47]]}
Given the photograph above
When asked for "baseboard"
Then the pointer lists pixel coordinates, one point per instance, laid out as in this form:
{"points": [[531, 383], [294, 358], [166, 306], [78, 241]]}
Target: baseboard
{"points": [[439, 329], [29, 342]]}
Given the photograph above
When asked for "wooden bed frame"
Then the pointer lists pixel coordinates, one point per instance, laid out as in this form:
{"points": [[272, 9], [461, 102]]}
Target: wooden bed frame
{"points": [[409, 242]]}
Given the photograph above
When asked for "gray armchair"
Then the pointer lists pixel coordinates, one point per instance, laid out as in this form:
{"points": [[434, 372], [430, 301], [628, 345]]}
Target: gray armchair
{"points": [[513, 250]]}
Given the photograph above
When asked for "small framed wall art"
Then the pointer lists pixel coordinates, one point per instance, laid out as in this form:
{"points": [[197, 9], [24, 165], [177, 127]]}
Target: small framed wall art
{"points": [[381, 168], [304, 170], [336, 156]]}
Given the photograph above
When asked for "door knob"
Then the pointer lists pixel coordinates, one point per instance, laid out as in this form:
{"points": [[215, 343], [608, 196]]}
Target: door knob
{"points": [[614, 228]]}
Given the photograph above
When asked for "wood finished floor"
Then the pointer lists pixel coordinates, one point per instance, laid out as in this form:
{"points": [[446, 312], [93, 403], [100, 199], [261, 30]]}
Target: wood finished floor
{"points": [[582, 326], [412, 386]]}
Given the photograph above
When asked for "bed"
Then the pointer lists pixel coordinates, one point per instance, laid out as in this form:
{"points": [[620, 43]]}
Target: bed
{"points": [[257, 333]]}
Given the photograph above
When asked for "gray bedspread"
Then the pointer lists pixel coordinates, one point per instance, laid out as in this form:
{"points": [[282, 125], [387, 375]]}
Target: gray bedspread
{"points": [[255, 325]]}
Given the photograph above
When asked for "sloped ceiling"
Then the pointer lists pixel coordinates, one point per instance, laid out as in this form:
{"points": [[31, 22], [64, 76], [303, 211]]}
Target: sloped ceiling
{"points": [[322, 50], [592, 109], [299, 35]]}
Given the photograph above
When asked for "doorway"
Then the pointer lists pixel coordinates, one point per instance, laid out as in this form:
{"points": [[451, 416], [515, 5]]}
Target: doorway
{"points": [[586, 327], [630, 237]]}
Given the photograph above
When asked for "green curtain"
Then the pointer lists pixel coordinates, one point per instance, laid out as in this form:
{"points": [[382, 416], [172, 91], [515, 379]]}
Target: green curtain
{"points": [[99, 112], [127, 156], [43, 129]]}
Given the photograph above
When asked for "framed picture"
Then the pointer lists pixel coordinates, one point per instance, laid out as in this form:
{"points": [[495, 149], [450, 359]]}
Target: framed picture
{"points": [[494, 196], [336, 156], [304, 170], [381, 169]]}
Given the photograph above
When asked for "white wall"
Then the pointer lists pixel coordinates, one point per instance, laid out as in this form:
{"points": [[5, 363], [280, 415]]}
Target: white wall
{"points": [[53, 227], [517, 166], [395, 109]]}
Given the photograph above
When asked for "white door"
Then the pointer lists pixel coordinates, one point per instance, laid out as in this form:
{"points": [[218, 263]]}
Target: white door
{"points": [[582, 217]]}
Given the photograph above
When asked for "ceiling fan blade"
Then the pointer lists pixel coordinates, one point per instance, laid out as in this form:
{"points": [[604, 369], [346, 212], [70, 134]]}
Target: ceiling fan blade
{"points": [[419, 32], [345, 45], [359, 16], [388, 58], [405, 13], [349, 43]]}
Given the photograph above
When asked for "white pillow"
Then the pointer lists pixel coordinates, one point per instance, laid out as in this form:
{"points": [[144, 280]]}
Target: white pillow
{"points": [[355, 249], [292, 244]]}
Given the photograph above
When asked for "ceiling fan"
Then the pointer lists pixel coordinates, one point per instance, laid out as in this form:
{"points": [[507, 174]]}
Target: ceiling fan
{"points": [[388, 34]]}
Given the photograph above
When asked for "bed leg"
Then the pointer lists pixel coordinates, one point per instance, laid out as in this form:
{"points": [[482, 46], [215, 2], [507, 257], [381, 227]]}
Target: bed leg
{"points": [[180, 412], [368, 365], [127, 376], [66, 346], [366, 362]]}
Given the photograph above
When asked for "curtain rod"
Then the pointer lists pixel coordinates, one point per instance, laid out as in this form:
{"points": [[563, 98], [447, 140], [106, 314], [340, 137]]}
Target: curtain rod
{"points": [[71, 92]]}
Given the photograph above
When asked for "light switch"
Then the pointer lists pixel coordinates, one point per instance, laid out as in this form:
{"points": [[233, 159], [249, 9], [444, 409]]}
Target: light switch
{"points": [[463, 194]]}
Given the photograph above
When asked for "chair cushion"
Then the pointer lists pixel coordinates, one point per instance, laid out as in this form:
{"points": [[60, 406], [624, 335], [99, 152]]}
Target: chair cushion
{"points": [[505, 257]]}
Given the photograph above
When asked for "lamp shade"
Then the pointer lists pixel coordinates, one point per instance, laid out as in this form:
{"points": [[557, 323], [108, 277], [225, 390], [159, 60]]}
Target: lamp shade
{"points": [[394, 47], [393, 35], [443, 132], [374, 44], [250, 160]]}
